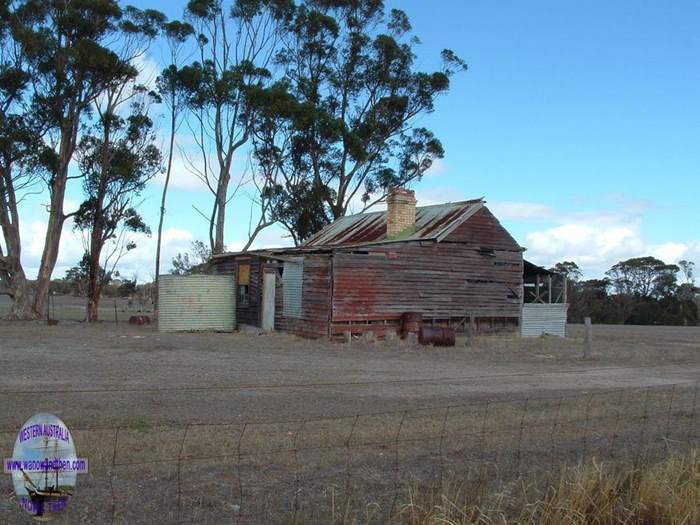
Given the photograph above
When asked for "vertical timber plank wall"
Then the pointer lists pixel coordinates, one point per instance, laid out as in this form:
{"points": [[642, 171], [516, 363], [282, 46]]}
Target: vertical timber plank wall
{"points": [[245, 313], [315, 299]]}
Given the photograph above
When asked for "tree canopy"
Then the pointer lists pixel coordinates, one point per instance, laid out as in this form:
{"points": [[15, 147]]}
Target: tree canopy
{"points": [[640, 290]]}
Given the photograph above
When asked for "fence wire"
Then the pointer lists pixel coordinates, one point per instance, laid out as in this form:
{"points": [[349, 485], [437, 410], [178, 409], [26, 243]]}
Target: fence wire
{"points": [[358, 467]]}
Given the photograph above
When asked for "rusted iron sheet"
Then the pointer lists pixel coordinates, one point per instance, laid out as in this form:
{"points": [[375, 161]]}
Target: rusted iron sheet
{"points": [[432, 222]]}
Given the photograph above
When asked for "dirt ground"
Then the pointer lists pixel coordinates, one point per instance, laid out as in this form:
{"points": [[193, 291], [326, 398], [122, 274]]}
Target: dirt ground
{"points": [[219, 428], [125, 374]]}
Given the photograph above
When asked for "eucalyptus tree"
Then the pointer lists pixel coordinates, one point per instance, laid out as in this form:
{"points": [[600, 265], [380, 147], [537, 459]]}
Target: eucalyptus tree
{"points": [[236, 43], [117, 158], [19, 140], [170, 88], [351, 132], [642, 277], [74, 52]]}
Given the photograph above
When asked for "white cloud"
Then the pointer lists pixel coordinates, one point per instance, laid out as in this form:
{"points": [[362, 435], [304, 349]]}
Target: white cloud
{"points": [[273, 237], [672, 252], [33, 237], [598, 240], [437, 168], [148, 69], [70, 206], [595, 247], [181, 175], [188, 164], [138, 262], [512, 210]]}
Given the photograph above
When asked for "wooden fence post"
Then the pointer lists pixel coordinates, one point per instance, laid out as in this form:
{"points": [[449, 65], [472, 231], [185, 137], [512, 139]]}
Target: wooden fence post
{"points": [[587, 337]]}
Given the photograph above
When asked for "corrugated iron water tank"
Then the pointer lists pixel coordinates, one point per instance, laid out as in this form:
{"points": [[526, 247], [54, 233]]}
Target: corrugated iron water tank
{"points": [[196, 303]]}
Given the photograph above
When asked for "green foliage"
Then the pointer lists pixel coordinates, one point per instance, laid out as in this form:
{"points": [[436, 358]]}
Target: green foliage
{"points": [[641, 290], [116, 162], [340, 122], [191, 262], [236, 42], [78, 277], [643, 277], [569, 269]]}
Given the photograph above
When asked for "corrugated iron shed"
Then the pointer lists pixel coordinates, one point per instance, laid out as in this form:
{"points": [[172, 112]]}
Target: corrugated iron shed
{"points": [[432, 223]]}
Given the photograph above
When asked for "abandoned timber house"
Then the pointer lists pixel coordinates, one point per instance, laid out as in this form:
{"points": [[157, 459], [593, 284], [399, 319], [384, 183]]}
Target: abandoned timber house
{"points": [[453, 263]]}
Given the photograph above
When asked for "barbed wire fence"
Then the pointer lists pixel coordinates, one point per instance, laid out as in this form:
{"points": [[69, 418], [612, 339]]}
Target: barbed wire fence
{"points": [[359, 466]]}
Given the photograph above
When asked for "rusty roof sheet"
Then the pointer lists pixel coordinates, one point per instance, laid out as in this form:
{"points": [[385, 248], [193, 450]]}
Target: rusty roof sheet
{"points": [[432, 223]]}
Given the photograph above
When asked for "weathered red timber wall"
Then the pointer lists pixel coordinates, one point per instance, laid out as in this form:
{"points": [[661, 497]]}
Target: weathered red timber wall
{"points": [[316, 299], [484, 229], [475, 273]]}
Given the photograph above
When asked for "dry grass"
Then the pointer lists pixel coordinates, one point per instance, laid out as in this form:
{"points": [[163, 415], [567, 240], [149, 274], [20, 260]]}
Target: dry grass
{"points": [[666, 492]]}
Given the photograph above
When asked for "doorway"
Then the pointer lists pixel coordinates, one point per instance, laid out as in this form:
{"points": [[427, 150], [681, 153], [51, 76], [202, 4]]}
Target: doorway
{"points": [[268, 301]]}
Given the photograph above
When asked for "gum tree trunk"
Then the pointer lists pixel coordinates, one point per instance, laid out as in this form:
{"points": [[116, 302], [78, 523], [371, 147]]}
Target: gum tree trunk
{"points": [[13, 281], [173, 125], [56, 217]]}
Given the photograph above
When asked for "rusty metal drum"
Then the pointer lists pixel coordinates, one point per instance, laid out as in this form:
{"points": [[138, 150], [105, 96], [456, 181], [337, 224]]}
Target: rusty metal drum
{"points": [[436, 336]]}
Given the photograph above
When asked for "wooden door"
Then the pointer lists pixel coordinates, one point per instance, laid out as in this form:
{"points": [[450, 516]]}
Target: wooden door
{"points": [[268, 302]]}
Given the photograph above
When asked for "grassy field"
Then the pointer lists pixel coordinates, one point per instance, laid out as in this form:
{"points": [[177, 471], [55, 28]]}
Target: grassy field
{"points": [[218, 428], [69, 308]]}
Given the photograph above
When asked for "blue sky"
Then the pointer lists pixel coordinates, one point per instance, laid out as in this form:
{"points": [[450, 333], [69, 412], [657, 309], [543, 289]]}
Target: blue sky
{"points": [[579, 123]]}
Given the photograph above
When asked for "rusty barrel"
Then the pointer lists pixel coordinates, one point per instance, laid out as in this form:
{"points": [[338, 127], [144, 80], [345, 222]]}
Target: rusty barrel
{"points": [[436, 336], [411, 323]]}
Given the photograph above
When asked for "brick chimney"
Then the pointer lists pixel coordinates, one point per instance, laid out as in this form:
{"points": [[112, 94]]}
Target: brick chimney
{"points": [[401, 211]]}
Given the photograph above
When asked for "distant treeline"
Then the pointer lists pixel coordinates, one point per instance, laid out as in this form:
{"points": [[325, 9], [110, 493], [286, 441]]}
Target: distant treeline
{"points": [[641, 290]]}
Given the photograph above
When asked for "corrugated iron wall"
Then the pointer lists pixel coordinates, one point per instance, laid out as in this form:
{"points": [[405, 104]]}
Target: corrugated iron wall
{"points": [[292, 284], [196, 303], [542, 318]]}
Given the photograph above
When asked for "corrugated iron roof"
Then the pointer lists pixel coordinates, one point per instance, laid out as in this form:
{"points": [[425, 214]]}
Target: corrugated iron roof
{"points": [[432, 223]]}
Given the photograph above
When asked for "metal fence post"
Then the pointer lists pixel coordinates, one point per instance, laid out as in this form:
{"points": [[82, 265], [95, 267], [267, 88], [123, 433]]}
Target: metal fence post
{"points": [[111, 474], [616, 427], [691, 418], [348, 463], [670, 411], [240, 471], [442, 440], [179, 468], [518, 453], [396, 464], [645, 417], [482, 451], [297, 471], [587, 424], [555, 427]]}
